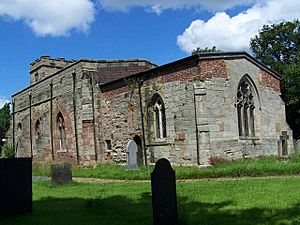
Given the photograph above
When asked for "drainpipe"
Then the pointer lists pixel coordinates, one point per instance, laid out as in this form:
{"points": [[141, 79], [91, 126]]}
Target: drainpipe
{"points": [[75, 116], [30, 126], [140, 83], [196, 124], [13, 126], [94, 122], [51, 119]]}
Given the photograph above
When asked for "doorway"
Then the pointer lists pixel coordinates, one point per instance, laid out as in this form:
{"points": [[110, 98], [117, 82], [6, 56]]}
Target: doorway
{"points": [[137, 139]]}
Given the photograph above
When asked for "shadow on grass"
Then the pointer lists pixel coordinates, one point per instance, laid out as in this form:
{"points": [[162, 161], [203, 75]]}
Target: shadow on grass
{"points": [[122, 210], [223, 214]]}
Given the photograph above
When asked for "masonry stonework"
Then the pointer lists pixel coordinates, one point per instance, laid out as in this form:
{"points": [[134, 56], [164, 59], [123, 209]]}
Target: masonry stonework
{"points": [[85, 111]]}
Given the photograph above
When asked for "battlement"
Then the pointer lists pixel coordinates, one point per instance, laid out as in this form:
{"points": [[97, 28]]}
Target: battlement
{"points": [[46, 66]]}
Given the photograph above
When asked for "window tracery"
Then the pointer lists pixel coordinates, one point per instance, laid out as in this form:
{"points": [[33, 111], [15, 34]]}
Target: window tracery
{"points": [[245, 110]]}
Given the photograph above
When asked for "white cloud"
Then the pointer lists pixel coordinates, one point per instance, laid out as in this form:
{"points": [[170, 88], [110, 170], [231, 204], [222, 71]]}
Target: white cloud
{"points": [[158, 6], [50, 17], [3, 100], [234, 33]]}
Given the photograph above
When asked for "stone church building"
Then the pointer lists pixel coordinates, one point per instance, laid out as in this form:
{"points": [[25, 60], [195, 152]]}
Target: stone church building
{"points": [[212, 104]]}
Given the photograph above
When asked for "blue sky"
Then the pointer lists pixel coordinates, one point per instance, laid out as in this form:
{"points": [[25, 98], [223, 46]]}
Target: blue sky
{"points": [[157, 30]]}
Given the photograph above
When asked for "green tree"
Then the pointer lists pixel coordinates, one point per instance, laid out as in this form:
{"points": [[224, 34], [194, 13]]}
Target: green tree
{"points": [[278, 46], [4, 121], [199, 50]]}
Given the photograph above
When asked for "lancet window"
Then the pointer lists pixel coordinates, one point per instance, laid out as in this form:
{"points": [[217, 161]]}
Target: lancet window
{"points": [[160, 117], [61, 132]]}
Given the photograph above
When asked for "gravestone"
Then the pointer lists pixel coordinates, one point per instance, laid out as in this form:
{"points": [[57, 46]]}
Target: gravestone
{"points": [[15, 185], [297, 147], [61, 173], [279, 143], [131, 150], [164, 200], [284, 138]]}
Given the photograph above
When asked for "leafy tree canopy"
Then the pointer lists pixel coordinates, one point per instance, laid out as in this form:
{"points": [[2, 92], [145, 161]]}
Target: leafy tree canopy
{"points": [[4, 121], [199, 50], [278, 46]]}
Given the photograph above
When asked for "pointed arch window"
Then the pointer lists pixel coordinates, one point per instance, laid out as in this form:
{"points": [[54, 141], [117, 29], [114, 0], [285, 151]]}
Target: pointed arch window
{"points": [[159, 117], [38, 128], [246, 109], [20, 128], [61, 132]]}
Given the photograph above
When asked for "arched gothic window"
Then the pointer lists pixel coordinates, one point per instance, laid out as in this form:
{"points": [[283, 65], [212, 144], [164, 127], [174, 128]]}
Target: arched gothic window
{"points": [[37, 128], [19, 127], [159, 117], [62, 132], [246, 109]]}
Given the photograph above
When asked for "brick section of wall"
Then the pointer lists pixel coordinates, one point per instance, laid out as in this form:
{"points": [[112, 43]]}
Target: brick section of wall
{"points": [[197, 71], [115, 92], [268, 80], [113, 71], [183, 73], [212, 68]]}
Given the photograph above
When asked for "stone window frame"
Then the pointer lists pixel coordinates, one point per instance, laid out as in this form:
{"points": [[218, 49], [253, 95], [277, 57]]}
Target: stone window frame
{"points": [[108, 144], [60, 123], [36, 77], [37, 128], [158, 110], [20, 127], [247, 109]]}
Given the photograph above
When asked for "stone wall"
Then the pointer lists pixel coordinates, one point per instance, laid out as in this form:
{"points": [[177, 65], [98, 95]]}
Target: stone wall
{"points": [[74, 98], [62, 103], [199, 98]]}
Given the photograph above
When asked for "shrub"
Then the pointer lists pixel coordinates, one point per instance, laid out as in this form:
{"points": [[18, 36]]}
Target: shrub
{"points": [[7, 151]]}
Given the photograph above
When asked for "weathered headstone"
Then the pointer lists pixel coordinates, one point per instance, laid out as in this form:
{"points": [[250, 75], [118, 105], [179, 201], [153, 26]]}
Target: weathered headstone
{"points": [[131, 150], [297, 147], [284, 138], [279, 143], [61, 173], [164, 200], [15, 185]]}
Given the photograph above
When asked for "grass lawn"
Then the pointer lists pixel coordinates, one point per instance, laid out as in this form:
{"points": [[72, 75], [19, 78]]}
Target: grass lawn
{"points": [[207, 202], [265, 166]]}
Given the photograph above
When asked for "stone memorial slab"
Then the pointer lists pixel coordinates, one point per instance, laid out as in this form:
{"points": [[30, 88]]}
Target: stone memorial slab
{"points": [[284, 138], [131, 150], [164, 200], [15, 185], [61, 173], [297, 147], [279, 143]]}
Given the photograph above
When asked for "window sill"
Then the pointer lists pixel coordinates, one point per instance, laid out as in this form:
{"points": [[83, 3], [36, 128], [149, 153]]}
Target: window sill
{"points": [[249, 138], [158, 143], [62, 151]]}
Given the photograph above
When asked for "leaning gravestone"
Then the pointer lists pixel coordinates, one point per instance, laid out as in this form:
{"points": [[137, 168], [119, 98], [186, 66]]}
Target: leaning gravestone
{"points": [[15, 185], [164, 200], [61, 173], [131, 150]]}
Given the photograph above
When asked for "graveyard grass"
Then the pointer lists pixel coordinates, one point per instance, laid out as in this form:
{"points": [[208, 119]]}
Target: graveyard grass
{"points": [[211, 202], [260, 167]]}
